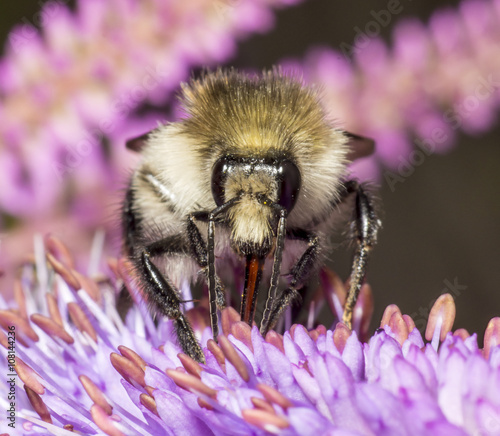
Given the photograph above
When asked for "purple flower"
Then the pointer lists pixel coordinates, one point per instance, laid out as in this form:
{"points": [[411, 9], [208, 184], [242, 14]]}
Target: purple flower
{"points": [[62, 90], [68, 95], [85, 370], [434, 81]]}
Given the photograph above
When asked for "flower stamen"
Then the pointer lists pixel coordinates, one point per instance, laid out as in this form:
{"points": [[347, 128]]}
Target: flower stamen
{"points": [[266, 421], [128, 369], [190, 365], [191, 383], [104, 422], [132, 356], [440, 321], [81, 320], [38, 405], [214, 348], [149, 403], [398, 327], [234, 358], [228, 317], [259, 403], [274, 396], [50, 327], [29, 376], [9, 318], [340, 336], [491, 336], [53, 309], [95, 394], [275, 339], [64, 272]]}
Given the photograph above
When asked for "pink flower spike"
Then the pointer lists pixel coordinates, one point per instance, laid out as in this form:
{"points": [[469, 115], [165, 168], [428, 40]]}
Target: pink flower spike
{"points": [[104, 422], [95, 394], [267, 421], [340, 336], [334, 290], [388, 312], [233, 357], [398, 327], [363, 311], [491, 336], [441, 318], [461, 333], [38, 405], [228, 317], [409, 322]]}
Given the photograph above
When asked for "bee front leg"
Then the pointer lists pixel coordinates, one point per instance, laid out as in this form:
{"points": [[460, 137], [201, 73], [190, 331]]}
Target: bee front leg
{"points": [[165, 297], [217, 299], [199, 250]]}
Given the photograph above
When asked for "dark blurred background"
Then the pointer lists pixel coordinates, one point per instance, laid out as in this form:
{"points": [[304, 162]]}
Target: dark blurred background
{"points": [[440, 225]]}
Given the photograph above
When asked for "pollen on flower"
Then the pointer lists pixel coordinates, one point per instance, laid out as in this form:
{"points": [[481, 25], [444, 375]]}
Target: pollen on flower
{"points": [[86, 370]]}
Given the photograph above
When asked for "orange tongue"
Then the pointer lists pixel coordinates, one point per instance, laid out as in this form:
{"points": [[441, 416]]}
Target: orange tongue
{"points": [[253, 274]]}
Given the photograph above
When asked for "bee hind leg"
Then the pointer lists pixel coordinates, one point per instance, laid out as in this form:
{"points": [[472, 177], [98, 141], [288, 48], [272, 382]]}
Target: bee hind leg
{"points": [[366, 225]]}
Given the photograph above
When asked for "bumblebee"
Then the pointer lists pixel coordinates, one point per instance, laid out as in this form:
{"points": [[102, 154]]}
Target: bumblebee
{"points": [[254, 174]]}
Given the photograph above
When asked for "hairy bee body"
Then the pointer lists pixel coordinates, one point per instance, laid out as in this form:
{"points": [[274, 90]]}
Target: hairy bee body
{"points": [[254, 154]]}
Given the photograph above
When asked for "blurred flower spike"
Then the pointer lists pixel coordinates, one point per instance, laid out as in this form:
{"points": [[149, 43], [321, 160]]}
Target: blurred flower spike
{"points": [[415, 96], [79, 80], [69, 96], [72, 92], [86, 371]]}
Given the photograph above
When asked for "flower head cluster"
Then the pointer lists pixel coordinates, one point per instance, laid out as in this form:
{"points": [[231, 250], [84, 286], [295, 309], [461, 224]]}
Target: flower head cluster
{"points": [[84, 370], [79, 80], [68, 95]]}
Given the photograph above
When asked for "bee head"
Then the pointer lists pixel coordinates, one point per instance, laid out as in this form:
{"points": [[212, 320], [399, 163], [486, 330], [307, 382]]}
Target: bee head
{"points": [[263, 187]]}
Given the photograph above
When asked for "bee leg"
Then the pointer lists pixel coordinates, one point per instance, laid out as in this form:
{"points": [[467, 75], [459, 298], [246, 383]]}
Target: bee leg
{"points": [[166, 299], [130, 229], [366, 225], [299, 274], [217, 299], [199, 250], [278, 254]]}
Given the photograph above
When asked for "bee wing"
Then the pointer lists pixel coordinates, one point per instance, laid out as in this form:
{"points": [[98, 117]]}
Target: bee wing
{"points": [[359, 146], [137, 144]]}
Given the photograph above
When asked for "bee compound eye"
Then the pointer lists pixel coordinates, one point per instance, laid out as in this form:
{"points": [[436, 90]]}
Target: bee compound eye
{"points": [[290, 181], [219, 175]]}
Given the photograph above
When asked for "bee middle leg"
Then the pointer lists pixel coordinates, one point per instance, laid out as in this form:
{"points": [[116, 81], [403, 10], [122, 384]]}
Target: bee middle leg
{"points": [[298, 275], [365, 229]]}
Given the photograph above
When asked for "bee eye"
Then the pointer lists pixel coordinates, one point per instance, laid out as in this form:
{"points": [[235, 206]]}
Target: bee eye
{"points": [[290, 184], [219, 175]]}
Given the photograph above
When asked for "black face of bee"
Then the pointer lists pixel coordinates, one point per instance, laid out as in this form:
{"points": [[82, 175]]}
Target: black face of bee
{"points": [[284, 172]]}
